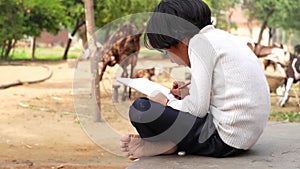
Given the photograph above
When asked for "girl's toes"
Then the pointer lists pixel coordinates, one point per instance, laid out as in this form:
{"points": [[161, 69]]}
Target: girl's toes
{"points": [[125, 149], [125, 138], [124, 144], [126, 154]]}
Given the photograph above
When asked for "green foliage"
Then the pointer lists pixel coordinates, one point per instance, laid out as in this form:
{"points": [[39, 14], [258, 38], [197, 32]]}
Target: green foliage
{"points": [[74, 13], [107, 11], [290, 16], [285, 116], [41, 16], [220, 9], [11, 21], [277, 13], [21, 18]]}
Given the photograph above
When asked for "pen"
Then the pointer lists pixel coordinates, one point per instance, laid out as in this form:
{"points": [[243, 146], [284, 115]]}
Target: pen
{"points": [[186, 84]]}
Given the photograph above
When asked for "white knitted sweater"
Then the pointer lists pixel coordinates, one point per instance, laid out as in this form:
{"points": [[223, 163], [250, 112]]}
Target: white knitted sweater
{"points": [[228, 82]]}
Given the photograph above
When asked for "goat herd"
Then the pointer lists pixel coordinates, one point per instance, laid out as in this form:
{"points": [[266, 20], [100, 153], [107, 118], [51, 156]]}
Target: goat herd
{"points": [[123, 47]]}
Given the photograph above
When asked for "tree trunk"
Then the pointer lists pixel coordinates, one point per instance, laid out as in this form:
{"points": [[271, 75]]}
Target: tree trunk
{"points": [[90, 25], [13, 46], [78, 25], [33, 48], [8, 48], [263, 26], [2, 51], [270, 36]]}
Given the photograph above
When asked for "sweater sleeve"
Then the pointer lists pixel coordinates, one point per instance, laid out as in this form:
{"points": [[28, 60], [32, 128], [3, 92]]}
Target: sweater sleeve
{"points": [[202, 56]]}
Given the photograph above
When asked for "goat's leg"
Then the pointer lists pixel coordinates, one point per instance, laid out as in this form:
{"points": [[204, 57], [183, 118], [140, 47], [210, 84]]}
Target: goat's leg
{"points": [[280, 92], [124, 74], [133, 64], [289, 84], [131, 75]]}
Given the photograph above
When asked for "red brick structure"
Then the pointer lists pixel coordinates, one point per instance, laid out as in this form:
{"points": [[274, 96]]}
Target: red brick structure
{"points": [[49, 40]]}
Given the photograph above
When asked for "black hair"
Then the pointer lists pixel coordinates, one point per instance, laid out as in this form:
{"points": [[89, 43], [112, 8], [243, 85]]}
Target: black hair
{"points": [[174, 20]]}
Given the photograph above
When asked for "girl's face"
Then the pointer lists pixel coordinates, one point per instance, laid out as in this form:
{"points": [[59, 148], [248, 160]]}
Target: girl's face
{"points": [[179, 54]]}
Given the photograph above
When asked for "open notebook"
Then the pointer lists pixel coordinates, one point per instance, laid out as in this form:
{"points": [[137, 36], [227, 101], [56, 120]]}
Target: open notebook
{"points": [[146, 87]]}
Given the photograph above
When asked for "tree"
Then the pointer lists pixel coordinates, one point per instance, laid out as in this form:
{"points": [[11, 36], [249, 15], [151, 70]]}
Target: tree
{"points": [[75, 19], [30, 18], [41, 16], [291, 17], [105, 12], [274, 14], [11, 23], [90, 23], [287, 19]]}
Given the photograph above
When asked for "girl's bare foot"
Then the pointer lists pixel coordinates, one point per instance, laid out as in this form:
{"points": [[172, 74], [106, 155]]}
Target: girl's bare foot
{"points": [[135, 147]]}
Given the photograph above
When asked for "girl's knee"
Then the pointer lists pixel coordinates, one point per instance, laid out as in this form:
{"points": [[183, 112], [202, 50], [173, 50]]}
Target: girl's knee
{"points": [[141, 104], [138, 109], [144, 110]]}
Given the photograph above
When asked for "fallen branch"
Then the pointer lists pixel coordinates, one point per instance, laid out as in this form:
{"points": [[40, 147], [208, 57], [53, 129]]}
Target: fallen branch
{"points": [[4, 86]]}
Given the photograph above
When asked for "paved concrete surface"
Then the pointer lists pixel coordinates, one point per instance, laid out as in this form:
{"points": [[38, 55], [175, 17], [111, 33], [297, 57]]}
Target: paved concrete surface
{"points": [[278, 147]]}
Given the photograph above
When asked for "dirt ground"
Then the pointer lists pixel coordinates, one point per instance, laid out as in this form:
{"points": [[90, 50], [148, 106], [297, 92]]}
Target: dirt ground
{"points": [[39, 127]]}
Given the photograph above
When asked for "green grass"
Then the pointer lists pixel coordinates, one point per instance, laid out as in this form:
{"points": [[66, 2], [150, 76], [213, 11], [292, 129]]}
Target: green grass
{"points": [[43, 54], [285, 116]]}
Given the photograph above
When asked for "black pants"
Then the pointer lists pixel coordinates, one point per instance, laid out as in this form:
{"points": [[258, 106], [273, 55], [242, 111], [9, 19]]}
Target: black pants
{"points": [[194, 135]]}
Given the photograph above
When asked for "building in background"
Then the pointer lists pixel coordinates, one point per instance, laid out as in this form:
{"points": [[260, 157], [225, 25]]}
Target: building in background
{"points": [[49, 40]]}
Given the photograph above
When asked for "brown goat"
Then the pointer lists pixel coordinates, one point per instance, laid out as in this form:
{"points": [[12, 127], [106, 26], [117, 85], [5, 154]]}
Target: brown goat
{"points": [[145, 73], [263, 51], [273, 55], [122, 48]]}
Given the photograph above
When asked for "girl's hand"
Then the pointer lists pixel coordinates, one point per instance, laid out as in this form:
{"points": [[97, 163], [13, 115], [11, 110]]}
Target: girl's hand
{"points": [[179, 92], [159, 98]]}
